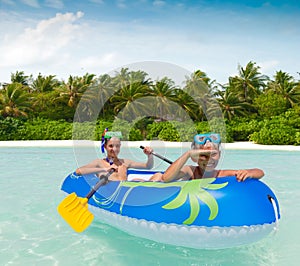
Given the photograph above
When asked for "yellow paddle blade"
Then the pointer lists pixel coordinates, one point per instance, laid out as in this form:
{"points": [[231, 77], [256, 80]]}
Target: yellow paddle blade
{"points": [[75, 212]]}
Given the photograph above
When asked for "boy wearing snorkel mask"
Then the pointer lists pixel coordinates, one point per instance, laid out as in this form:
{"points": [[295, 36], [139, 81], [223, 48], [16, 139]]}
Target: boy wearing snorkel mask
{"points": [[205, 151], [111, 143]]}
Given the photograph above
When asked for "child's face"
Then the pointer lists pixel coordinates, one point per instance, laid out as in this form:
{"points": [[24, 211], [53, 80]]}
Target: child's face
{"points": [[209, 163], [113, 147]]}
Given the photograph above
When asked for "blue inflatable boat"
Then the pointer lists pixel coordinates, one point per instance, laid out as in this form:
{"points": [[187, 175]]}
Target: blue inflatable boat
{"points": [[204, 213]]}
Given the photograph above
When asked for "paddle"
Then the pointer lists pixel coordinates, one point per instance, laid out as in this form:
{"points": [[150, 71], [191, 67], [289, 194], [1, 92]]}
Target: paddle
{"points": [[75, 209], [159, 156]]}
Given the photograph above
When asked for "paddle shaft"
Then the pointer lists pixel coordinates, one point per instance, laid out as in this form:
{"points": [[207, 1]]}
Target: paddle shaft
{"points": [[159, 156], [101, 182]]}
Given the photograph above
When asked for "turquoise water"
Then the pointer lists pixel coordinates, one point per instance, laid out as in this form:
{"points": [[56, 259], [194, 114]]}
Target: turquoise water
{"points": [[32, 232]]}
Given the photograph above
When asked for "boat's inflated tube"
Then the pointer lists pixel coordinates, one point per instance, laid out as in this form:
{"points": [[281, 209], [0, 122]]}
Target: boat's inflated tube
{"points": [[202, 213]]}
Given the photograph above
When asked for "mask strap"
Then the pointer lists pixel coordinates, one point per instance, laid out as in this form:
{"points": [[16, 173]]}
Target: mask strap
{"points": [[103, 140]]}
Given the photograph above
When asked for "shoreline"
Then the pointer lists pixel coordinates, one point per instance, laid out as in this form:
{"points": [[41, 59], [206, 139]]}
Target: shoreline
{"points": [[71, 143]]}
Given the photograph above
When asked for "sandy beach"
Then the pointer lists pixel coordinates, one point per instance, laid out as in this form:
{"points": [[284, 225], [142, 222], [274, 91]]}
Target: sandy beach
{"points": [[71, 143]]}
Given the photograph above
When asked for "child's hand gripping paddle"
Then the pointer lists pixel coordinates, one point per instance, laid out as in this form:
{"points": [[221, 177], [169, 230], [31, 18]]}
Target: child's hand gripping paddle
{"points": [[159, 156], [75, 209]]}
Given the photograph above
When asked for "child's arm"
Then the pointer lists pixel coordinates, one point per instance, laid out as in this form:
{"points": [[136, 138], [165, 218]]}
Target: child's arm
{"points": [[243, 174]]}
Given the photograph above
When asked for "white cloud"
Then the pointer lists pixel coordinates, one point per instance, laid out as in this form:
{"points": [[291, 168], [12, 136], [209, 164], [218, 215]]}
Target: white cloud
{"points": [[97, 62], [121, 4], [41, 43], [31, 3], [58, 4], [68, 44], [97, 1], [64, 45], [159, 3], [8, 2]]}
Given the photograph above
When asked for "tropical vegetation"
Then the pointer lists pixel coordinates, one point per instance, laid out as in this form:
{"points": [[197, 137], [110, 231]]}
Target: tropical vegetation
{"points": [[251, 106]]}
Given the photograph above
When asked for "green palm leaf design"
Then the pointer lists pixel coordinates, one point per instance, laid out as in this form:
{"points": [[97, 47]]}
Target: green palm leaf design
{"points": [[178, 201], [193, 191], [195, 209]]}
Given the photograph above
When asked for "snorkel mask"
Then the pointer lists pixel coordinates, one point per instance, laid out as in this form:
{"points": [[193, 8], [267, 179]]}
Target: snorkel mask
{"points": [[201, 139]]}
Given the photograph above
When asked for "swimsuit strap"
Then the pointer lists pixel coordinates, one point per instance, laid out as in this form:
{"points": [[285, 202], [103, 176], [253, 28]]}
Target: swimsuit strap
{"points": [[110, 161]]}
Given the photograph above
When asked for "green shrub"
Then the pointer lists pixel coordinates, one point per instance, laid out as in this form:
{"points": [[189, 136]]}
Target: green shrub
{"points": [[203, 127], [291, 117], [171, 131], [135, 135], [270, 104], [9, 128], [43, 129], [241, 129], [228, 136], [186, 131], [275, 134], [297, 138], [180, 131], [169, 134], [84, 131], [142, 124], [154, 129]]}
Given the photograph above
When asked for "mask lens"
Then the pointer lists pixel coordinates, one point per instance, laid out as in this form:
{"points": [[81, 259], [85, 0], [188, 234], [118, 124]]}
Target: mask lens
{"points": [[200, 139], [215, 138]]}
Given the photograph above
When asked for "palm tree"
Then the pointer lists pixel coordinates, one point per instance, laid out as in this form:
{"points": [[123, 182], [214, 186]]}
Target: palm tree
{"points": [[95, 100], [231, 104], [202, 90], [19, 77], [197, 85], [130, 87], [125, 100], [74, 88], [125, 77], [163, 92], [249, 83], [14, 101], [211, 84], [44, 83], [285, 85], [122, 78], [201, 75], [188, 105]]}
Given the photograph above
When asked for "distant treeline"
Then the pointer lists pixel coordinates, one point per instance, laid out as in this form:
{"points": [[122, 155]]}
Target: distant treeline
{"points": [[251, 106]]}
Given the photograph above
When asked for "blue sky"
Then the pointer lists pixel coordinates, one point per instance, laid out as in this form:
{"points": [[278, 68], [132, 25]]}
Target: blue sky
{"points": [[65, 38]]}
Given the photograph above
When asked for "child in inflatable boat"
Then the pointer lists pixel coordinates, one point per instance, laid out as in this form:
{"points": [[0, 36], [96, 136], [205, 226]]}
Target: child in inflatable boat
{"points": [[205, 151], [111, 143]]}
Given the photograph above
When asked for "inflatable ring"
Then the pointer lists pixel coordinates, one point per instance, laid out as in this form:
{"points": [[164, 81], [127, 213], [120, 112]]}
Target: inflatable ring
{"points": [[204, 213]]}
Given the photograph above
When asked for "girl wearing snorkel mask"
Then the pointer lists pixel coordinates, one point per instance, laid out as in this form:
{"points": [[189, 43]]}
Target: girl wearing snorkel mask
{"points": [[205, 151], [111, 143]]}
